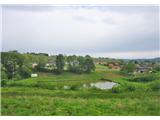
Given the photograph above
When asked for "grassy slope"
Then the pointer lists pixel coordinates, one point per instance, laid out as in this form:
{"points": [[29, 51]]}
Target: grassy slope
{"points": [[33, 96]]}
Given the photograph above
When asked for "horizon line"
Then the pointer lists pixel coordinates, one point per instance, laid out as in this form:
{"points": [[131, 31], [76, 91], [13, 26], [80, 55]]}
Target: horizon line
{"points": [[94, 55]]}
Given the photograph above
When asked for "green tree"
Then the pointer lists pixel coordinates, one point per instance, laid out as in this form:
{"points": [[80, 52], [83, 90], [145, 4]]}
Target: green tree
{"points": [[81, 64], [70, 63], [73, 63], [60, 62], [12, 68], [25, 71], [129, 67], [12, 61], [4, 76], [88, 64]]}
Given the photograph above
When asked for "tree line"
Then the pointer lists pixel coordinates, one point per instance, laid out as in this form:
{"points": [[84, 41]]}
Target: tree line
{"points": [[75, 64], [15, 65]]}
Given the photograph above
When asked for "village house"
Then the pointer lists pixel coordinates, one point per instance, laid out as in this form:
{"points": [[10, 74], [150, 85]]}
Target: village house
{"points": [[34, 65], [142, 69], [114, 66], [101, 63]]}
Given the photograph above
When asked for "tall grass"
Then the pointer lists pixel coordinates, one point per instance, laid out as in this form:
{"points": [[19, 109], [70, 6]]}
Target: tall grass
{"points": [[46, 95]]}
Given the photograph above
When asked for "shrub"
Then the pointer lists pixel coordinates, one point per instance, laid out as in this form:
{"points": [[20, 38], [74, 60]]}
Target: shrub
{"points": [[4, 75], [123, 88], [155, 86], [117, 89], [25, 71], [143, 79], [17, 77], [45, 86], [130, 87], [75, 87], [3, 83]]}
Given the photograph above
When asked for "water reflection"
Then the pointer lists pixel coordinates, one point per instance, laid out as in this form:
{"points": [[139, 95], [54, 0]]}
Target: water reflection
{"points": [[104, 85], [101, 85]]}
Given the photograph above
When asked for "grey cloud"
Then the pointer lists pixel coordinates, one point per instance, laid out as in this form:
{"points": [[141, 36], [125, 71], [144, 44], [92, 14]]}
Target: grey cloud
{"points": [[27, 8], [109, 21], [84, 19], [70, 31]]}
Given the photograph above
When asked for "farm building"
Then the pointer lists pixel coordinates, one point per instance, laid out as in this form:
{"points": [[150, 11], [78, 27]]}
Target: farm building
{"points": [[114, 66], [34, 65], [144, 69]]}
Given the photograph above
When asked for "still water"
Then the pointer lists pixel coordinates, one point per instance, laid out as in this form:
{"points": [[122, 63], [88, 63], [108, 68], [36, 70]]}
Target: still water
{"points": [[104, 85], [100, 85]]}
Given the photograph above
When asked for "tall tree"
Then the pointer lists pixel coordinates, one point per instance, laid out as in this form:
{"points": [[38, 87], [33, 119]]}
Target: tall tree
{"points": [[60, 62], [129, 67], [88, 64]]}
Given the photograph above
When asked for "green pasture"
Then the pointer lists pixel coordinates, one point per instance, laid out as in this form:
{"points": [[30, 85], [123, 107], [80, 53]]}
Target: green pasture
{"points": [[45, 95]]}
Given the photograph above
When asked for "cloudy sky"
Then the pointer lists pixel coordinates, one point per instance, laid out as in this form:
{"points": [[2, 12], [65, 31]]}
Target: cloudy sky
{"points": [[109, 31]]}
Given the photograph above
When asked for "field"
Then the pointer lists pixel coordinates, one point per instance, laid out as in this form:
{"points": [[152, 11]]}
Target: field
{"points": [[47, 95]]}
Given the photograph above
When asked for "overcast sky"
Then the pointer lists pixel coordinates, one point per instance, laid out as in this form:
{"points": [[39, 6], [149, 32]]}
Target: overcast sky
{"points": [[109, 31]]}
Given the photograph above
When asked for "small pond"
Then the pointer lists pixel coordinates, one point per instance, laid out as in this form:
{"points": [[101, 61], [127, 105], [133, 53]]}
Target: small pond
{"points": [[104, 85]]}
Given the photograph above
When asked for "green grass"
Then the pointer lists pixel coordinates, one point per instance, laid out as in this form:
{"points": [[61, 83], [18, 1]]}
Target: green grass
{"points": [[45, 95], [38, 105], [52, 81]]}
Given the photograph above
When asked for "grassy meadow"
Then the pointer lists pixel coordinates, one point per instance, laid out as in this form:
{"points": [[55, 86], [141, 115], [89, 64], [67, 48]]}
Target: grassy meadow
{"points": [[46, 95]]}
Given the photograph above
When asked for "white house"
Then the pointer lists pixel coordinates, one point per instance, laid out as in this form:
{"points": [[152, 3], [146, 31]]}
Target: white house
{"points": [[34, 75]]}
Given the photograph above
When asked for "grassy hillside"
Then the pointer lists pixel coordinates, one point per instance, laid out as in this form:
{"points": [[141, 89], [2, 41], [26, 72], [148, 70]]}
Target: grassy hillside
{"points": [[46, 95]]}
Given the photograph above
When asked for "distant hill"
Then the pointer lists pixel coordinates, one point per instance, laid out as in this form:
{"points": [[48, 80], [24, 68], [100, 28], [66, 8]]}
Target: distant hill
{"points": [[157, 59]]}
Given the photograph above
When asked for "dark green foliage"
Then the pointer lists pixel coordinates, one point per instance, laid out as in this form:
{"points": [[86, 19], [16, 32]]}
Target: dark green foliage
{"points": [[12, 68], [128, 68], [74, 87], [25, 71], [116, 89], [13, 63], [130, 88], [3, 83], [12, 56], [17, 77], [4, 78], [79, 64], [4, 75], [146, 78], [156, 67], [155, 86], [19, 66], [89, 64], [60, 62], [73, 63]]}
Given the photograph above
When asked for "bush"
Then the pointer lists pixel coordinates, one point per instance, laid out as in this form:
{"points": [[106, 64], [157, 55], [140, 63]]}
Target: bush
{"points": [[155, 86], [75, 87], [117, 89], [44, 85], [130, 88], [3, 83], [4, 75], [25, 71], [143, 79], [123, 88], [17, 77]]}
